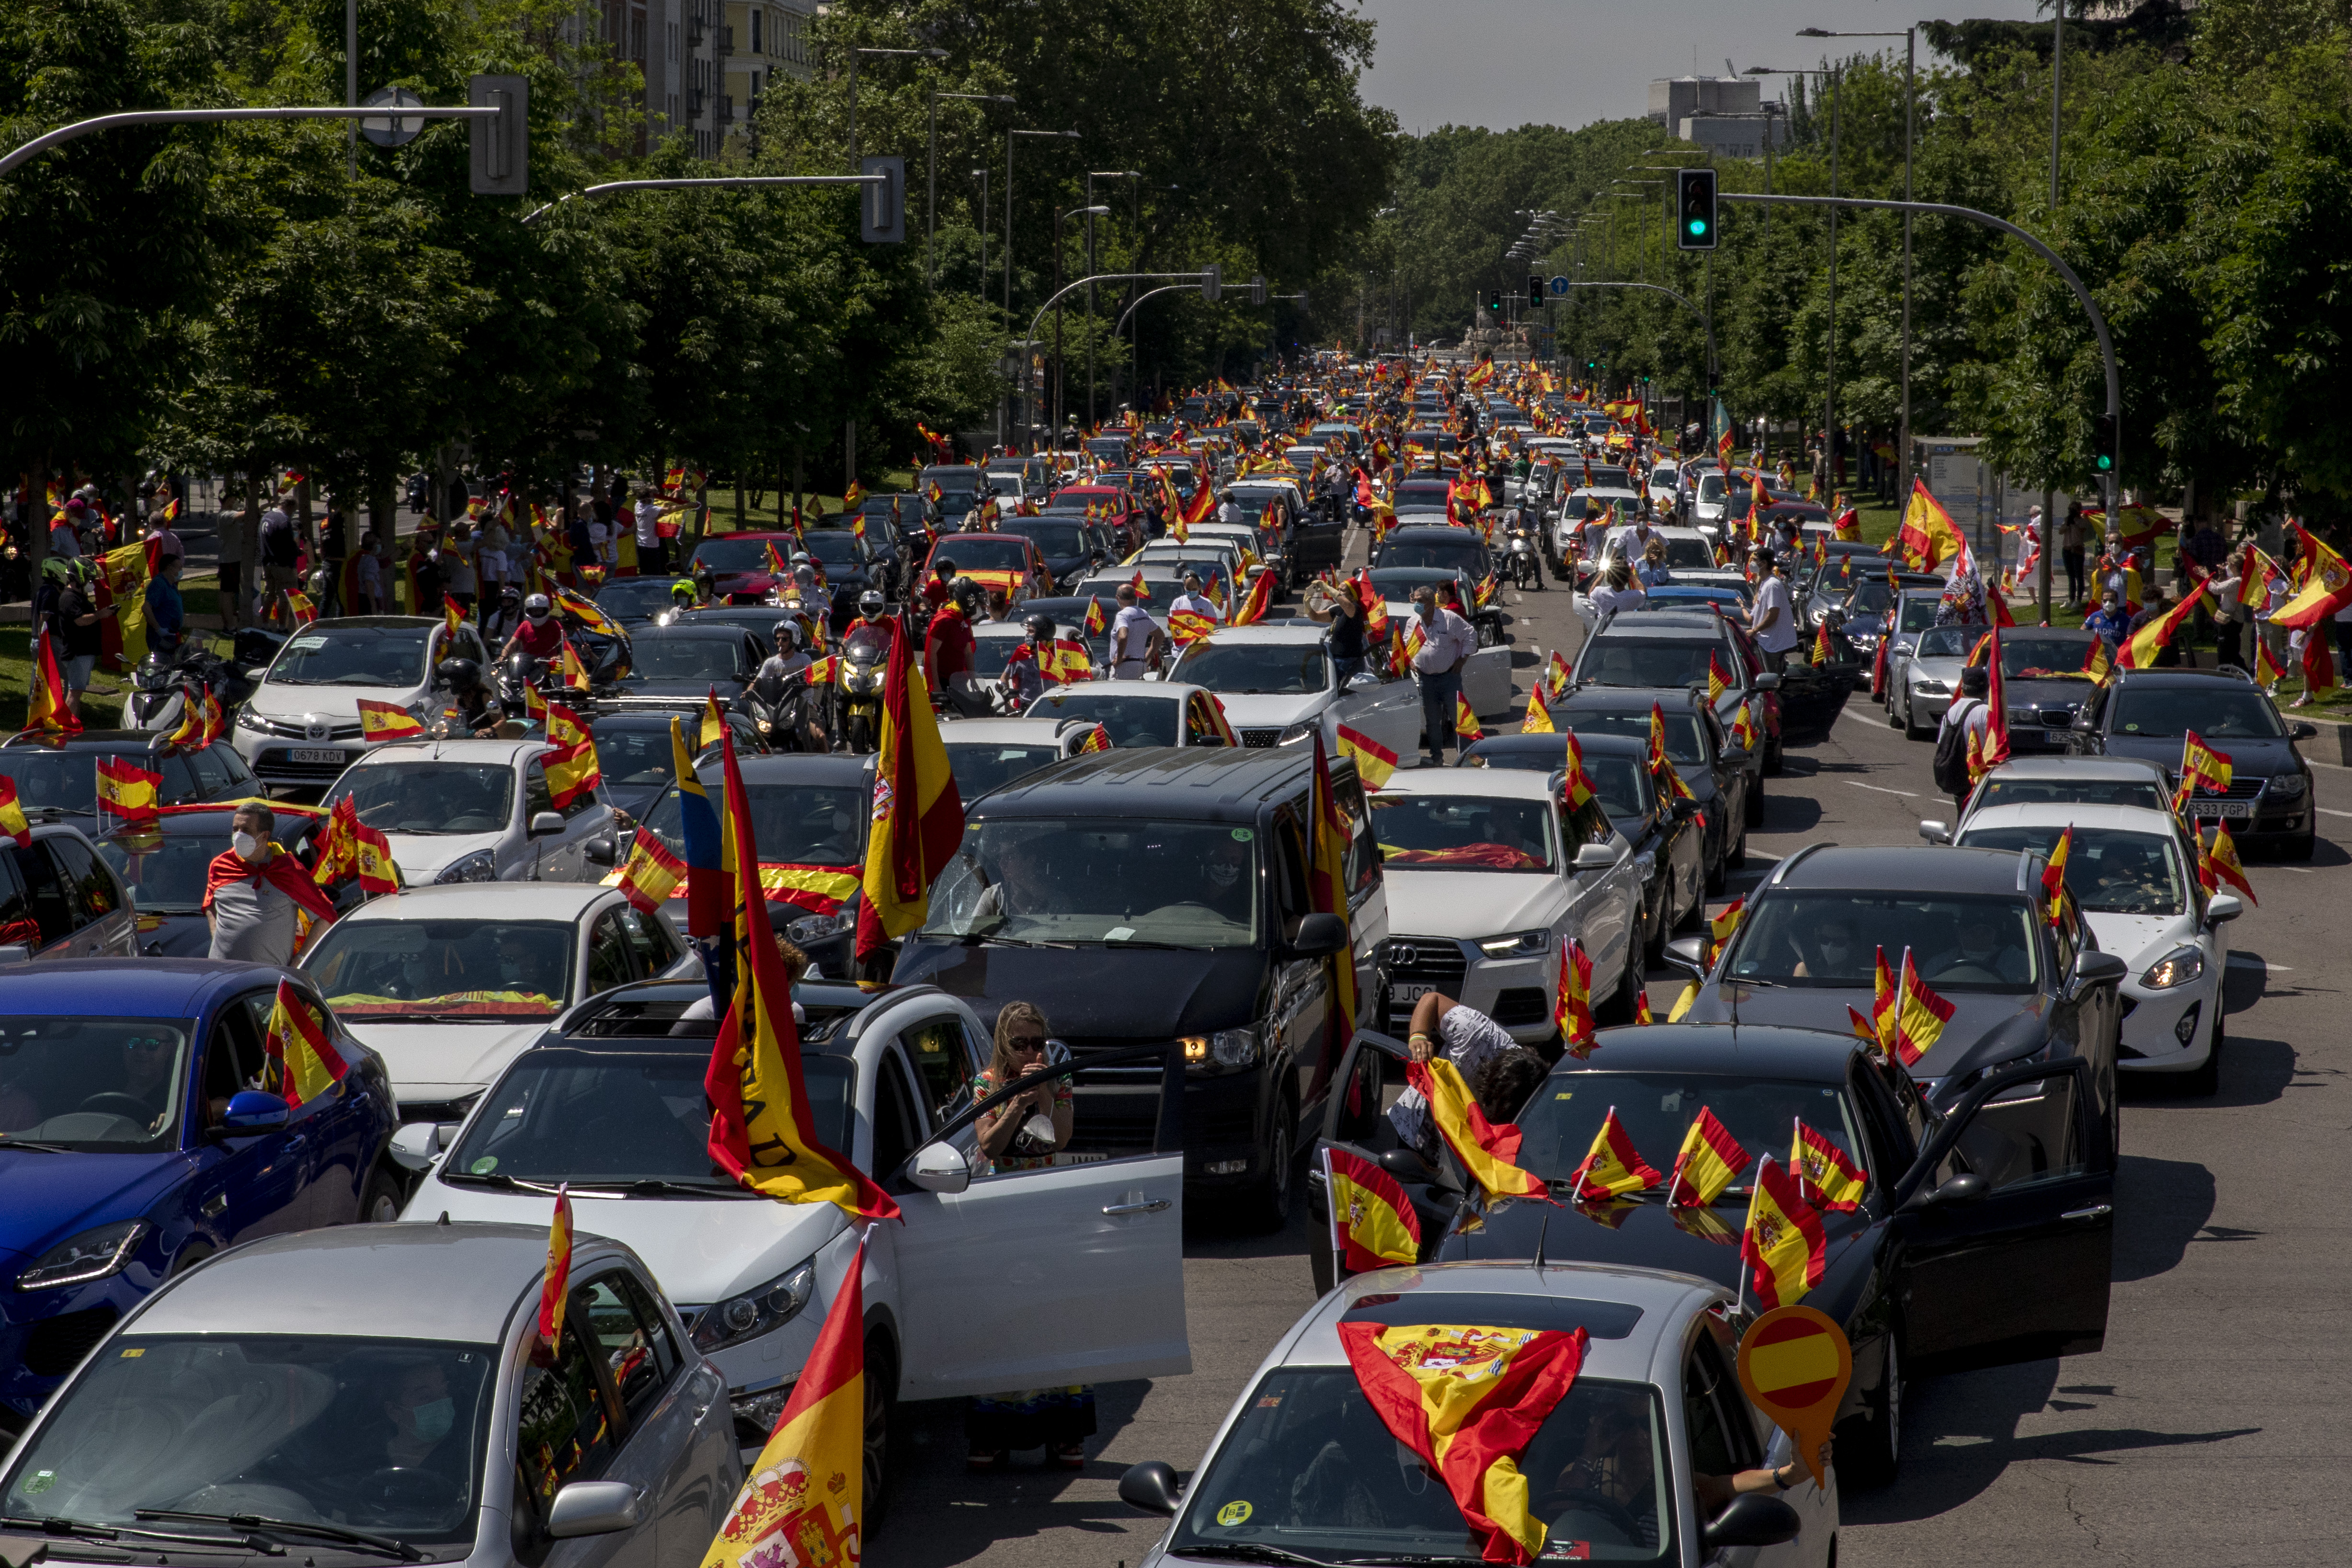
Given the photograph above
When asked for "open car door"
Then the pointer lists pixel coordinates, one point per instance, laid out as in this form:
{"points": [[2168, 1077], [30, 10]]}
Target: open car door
{"points": [[1356, 1120], [1487, 680], [2007, 1224], [1066, 1274]]}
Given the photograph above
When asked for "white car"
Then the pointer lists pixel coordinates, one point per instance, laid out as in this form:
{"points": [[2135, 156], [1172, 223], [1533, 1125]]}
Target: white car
{"points": [[301, 726], [1278, 685], [1567, 523], [477, 811], [955, 1297], [1488, 882], [1147, 712], [989, 753], [448, 985], [2133, 872]]}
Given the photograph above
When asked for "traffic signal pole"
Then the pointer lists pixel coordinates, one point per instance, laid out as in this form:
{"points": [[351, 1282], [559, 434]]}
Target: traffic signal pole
{"points": [[80, 128]]}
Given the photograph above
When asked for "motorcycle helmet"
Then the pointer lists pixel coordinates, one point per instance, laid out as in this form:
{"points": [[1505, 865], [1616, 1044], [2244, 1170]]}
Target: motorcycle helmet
{"points": [[705, 579], [682, 589], [510, 595], [537, 607], [966, 594], [869, 604], [461, 674], [789, 635], [1039, 627]]}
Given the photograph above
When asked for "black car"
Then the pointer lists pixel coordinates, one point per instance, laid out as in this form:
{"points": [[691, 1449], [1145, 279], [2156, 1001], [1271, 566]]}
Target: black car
{"points": [[852, 565], [1446, 546], [165, 864], [2021, 989], [635, 601], [960, 486], [633, 751], [1726, 797], [2043, 683], [2147, 713], [1151, 894], [1071, 547], [61, 774], [1814, 586], [1413, 498], [1981, 1237], [895, 525], [677, 665], [1668, 839], [1672, 647]]}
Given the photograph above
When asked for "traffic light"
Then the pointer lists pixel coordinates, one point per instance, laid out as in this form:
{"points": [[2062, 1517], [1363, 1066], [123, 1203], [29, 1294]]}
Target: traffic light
{"points": [[1495, 301], [2106, 438], [499, 150], [1257, 289], [882, 209], [1535, 291], [1213, 282], [1695, 207]]}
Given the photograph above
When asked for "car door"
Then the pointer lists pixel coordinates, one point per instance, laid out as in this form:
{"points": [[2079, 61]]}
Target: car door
{"points": [[103, 920], [1608, 905], [570, 1426], [2044, 1214], [544, 859], [252, 1186], [1391, 710], [669, 1448], [1096, 1249], [1366, 1083]]}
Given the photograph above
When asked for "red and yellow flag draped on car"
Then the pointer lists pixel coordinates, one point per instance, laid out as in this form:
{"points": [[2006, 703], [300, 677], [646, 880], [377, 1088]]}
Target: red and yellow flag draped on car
{"points": [[918, 815], [1373, 1220]]}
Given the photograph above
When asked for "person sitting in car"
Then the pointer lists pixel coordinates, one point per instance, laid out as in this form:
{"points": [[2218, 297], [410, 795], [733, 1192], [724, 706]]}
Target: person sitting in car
{"points": [[1982, 957]]}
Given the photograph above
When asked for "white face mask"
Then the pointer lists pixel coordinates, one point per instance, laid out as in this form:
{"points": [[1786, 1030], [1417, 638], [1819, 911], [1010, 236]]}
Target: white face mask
{"points": [[247, 846], [1224, 873]]}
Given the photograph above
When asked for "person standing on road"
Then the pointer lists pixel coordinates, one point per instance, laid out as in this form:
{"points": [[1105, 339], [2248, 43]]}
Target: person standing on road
{"points": [[1137, 643], [1967, 715], [949, 645], [166, 615], [369, 578], [281, 548], [1773, 622], [456, 561], [252, 889], [1447, 643]]}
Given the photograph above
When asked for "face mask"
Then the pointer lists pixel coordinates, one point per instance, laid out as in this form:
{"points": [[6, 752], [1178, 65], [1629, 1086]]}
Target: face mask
{"points": [[247, 846], [432, 1419], [1222, 874]]}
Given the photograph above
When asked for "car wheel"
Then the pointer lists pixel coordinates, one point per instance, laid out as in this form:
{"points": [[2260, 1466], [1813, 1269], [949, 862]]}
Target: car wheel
{"points": [[1268, 1206], [1911, 731], [881, 1381], [191, 1255], [381, 1199], [2300, 848], [2205, 1081], [1870, 1445]]}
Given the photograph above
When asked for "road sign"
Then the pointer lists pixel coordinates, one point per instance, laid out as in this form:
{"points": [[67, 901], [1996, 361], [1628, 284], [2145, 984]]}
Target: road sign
{"points": [[1795, 1365], [392, 131], [1559, 284]]}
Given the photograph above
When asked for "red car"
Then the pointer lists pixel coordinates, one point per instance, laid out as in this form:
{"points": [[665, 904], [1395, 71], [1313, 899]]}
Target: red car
{"points": [[1005, 563]]}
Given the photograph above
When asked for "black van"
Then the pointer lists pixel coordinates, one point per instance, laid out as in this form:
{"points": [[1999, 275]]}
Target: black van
{"points": [[1143, 895]]}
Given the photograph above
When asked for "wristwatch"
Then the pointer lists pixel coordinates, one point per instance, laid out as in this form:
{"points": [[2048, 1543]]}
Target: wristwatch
{"points": [[1776, 1481]]}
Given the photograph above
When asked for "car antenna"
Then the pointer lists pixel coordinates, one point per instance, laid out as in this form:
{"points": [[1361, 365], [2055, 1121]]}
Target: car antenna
{"points": [[1542, 1232], [445, 1218]]}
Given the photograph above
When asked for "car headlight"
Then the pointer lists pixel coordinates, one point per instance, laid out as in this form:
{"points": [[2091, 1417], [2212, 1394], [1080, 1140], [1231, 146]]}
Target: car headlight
{"points": [[1233, 1047], [2178, 967], [754, 1312], [1517, 945], [2287, 786], [246, 719], [481, 866], [1931, 688], [92, 1255], [817, 928], [1295, 734]]}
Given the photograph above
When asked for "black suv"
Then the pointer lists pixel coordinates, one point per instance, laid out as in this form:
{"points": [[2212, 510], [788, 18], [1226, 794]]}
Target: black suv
{"points": [[2147, 713]]}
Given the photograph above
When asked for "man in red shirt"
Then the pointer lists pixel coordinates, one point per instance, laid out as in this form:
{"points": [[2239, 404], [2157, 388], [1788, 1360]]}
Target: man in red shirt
{"points": [[942, 580], [540, 635], [948, 647]]}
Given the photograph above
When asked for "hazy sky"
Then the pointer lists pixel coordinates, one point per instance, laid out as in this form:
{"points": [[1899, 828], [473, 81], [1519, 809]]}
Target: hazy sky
{"points": [[1502, 63]]}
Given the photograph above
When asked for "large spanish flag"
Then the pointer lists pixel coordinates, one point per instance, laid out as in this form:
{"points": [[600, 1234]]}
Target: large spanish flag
{"points": [[803, 1504], [555, 1284], [1468, 1400], [47, 713], [2140, 649], [2322, 584], [761, 1130], [1486, 1151], [1928, 537], [918, 815], [1372, 1222], [1612, 1168], [1257, 602], [1709, 1161], [300, 1063], [1784, 1247]]}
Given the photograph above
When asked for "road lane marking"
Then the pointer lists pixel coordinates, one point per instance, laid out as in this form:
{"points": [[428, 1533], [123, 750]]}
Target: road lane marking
{"points": [[2331, 811], [1882, 789]]}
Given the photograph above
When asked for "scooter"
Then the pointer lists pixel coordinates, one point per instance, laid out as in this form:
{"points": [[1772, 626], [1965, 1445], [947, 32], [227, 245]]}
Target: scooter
{"points": [[781, 708], [861, 695], [1527, 572], [158, 686]]}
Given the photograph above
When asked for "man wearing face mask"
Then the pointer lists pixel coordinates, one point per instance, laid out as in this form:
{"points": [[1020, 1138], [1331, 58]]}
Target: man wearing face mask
{"points": [[1836, 955], [1981, 957], [1447, 643], [1222, 887], [421, 1413], [251, 892]]}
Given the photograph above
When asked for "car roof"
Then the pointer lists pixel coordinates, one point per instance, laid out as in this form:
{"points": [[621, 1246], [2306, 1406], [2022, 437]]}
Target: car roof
{"points": [[707, 631], [1263, 632], [1922, 868], [95, 741], [1740, 1051], [1207, 783], [2180, 678], [2100, 767], [2075, 814], [1432, 533], [484, 900], [748, 533], [997, 730], [1505, 784], [453, 751], [371, 623], [134, 988], [822, 768], [1662, 626], [1599, 744]]}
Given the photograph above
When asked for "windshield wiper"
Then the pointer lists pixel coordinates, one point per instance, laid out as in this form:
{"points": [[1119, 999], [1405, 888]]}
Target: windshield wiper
{"points": [[492, 1179], [994, 940], [1249, 1551], [1399, 1562], [1145, 942], [8, 1143], [400, 1548], [83, 1530], [661, 1186]]}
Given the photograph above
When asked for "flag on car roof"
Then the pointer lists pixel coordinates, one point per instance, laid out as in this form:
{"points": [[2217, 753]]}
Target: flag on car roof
{"points": [[1825, 1177], [128, 791], [1373, 1220], [1784, 1246], [1571, 1007], [555, 1284], [1488, 1153], [918, 815], [299, 1062], [1709, 1161]]}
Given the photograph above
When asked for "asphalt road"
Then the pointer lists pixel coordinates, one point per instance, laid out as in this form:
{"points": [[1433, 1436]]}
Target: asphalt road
{"points": [[2213, 1430]]}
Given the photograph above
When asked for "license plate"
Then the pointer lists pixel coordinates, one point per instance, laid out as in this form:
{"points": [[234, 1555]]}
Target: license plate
{"points": [[1074, 1157], [1405, 994], [2222, 807], [300, 755], [2056, 737]]}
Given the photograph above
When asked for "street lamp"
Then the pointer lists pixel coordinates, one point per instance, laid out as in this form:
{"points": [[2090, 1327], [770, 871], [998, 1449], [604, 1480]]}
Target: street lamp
{"points": [[1829, 400], [854, 53], [1010, 137], [931, 174], [1090, 213], [1136, 196]]}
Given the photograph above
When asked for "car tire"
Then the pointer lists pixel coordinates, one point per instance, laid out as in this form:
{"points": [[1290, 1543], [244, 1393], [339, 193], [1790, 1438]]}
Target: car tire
{"points": [[1268, 1208], [380, 1198], [1911, 731], [2205, 1081], [881, 1381], [189, 1256], [2300, 848], [1870, 1445]]}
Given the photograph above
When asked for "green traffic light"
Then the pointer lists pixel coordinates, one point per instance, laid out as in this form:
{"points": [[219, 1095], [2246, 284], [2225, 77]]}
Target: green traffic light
{"points": [[1699, 225], [2105, 462]]}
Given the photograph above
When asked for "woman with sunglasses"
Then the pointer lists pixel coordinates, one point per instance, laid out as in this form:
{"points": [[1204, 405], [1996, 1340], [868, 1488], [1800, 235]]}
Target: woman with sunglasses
{"points": [[1013, 1136]]}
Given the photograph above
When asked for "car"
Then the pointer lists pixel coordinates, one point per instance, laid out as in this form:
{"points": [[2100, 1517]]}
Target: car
{"points": [[302, 727], [59, 776], [60, 897], [1278, 687], [635, 601], [1816, 584], [477, 811], [1923, 686], [1163, 582], [131, 1145], [260, 1384], [1069, 613], [960, 487], [1418, 497], [1135, 714], [1923, 1276], [1492, 877], [446, 985], [2043, 683], [2034, 992], [850, 565], [972, 693], [1443, 546], [1161, 895], [1875, 614], [1583, 502], [2147, 713], [1726, 790], [1303, 1470], [678, 665], [1679, 647], [163, 864], [1002, 564], [1217, 560], [2133, 873], [985, 754], [610, 1102], [739, 562], [2033, 781], [1071, 547], [1669, 837], [1687, 550], [633, 752]]}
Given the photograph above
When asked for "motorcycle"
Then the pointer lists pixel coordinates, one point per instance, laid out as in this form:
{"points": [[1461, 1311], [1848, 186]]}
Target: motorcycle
{"points": [[158, 687], [1527, 570], [861, 694], [782, 708]]}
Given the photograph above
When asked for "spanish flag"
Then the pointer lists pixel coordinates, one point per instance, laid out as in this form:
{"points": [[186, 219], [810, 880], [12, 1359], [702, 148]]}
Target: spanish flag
{"points": [[804, 1502], [555, 1285], [1883, 995], [2324, 584], [572, 770], [1822, 652], [1717, 682], [1468, 1400], [1095, 623], [1642, 1007], [1928, 537], [387, 722], [2140, 649], [1662, 768], [2268, 671], [2053, 880], [2098, 664], [127, 791], [652, 874], [1556, 676], [1326, 889], [1783, 1247], [1576, 789], [1743, 728], [1376, 607], [2218, 863], [1257, 602], [298, 606], [714, 721], [2204, 767], [585, 610], [1995, 750], [1375, 763], [1825, 1177], [1919, 1014], [46, 713], [1372, 1222], [190, 735], [1186, 627], [300, 1063], [1098, 740], [1721, 924], [1466, 722], [1709, 1161], [1486, 1151], [1223, 727], [1611, 1169], [1538, 716], [453, 614], [13, 821], [918, 815], [372, 856], [1571, 1007]]}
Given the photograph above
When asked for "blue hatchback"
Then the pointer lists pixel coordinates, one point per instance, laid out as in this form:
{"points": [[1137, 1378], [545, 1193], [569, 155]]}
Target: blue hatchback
{"points": [[131, 1144]]}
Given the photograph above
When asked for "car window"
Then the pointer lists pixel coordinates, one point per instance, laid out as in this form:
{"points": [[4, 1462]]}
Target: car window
{"points": [[49, 908], [2029, 1134], [18, 925], [566, 1426], [936, 1047], [629, 1330], [179, 785], [898, 1124], [213, 778], [233, 1048], [608, 953], [657, 946], [1721, 1442], [89, 886], [536, 796]]}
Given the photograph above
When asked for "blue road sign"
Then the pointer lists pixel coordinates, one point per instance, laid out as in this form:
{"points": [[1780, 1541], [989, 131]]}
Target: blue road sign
{"points": [[1559, 284]]}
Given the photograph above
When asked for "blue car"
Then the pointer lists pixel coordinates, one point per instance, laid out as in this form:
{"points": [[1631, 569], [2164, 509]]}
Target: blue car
{"points": [[131, 1145]]}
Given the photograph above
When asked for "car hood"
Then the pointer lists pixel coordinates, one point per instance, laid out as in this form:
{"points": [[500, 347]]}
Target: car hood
{"points": [[174, 936], [294, 703], [1468, 905], [1984, 1030], [1096, 995], [54, 1196], [422, 855], [1272, 711], [2052, 690], [1946, 670], [2250, 756], [2140, 940], [445, 1061], [700, 1250]]}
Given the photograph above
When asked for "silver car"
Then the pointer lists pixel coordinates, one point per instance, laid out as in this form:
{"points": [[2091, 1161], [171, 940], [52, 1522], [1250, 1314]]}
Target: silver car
{"points": [[1929, 678], [367, 1394]]}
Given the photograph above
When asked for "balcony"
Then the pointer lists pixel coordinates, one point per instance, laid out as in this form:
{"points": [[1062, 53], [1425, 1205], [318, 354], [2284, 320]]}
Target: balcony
{"points": [[725, 42], [693, 103], [694, 31], [726, 110]]}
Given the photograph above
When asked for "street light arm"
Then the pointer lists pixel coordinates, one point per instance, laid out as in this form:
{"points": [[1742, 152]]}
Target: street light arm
{"points": [[1140, 299], [613, 186], [80, 128], [1068, 290]]}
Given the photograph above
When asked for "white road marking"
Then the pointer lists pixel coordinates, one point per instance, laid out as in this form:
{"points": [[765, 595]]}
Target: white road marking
{"points": [[1882, 789], [2248, 960], [2330, 811], [1875, 722], [2298, 871]]}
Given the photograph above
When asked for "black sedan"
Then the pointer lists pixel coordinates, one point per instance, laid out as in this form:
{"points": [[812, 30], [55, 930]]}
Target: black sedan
{"points": [[2145, 713], [2020, 989], [1981, 1237], [1072, 549], [852, 565], [2044, 685], [1678, 648], [635, 601], [165, 863], [1668, 839], [633, 751], [1726, 794], [676, 665]]}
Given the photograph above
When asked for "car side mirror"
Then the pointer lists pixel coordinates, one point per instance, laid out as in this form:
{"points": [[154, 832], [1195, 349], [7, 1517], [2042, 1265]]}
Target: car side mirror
{"points": [[1596, 857], [250, 1113], [1688, 954], [1767, 682], [1363, 680], [1750, 1520], [415, 1146], [1319, 935], [545, 823], [939, 1168], [1934, 832], [2302, 730], [2096, 968], [2223, 907], [1964, 1188], [1407, 1165], [592, 1508], [603, 851], [1151, 1486]]}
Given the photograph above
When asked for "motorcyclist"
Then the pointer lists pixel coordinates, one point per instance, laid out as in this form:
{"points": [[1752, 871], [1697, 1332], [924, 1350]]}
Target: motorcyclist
{"points": [[948, 647], [540, 635], [472, 709], [1024, 680], [681, 596], [706, 586], [506, 617], [937, 590]]}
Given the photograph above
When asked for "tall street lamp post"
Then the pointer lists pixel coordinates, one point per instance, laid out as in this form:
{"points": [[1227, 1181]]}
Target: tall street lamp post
{"points": [[931, 176]]}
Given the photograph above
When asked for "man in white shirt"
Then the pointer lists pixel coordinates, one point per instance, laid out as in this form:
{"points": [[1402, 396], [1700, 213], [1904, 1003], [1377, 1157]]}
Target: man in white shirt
{"points": [[1969, 715], [1137, 642], [1773, 622], [1447, 643], [1192, 599], [1229, 512], [649, 550]]}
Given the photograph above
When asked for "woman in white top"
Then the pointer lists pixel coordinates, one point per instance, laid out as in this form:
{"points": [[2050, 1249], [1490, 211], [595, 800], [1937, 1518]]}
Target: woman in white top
{"points": [[1617, 590], [490, 554]]}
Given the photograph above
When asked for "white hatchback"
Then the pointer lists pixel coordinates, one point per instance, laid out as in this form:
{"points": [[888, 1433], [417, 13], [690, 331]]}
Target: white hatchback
{"points": [[477, 811], [301, 725]]}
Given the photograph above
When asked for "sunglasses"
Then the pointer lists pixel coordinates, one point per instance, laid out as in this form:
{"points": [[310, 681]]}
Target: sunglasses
{"points": [[1027, 1042]]}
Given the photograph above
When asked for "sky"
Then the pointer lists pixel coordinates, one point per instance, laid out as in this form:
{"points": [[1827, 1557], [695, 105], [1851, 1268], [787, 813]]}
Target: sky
{"points": [[1504, 63]]}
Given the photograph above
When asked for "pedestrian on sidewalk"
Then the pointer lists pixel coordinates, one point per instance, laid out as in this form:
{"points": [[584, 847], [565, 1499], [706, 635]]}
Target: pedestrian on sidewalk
{"points": [[228, 532]]}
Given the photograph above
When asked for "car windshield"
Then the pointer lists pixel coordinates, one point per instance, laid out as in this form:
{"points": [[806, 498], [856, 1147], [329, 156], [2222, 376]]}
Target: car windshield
{"points": [[62, 781], [792, 824], [971, 553], [1690, 554], [1951, 642], [1051, 538], [1656, 1108], [1131, 720], [92, 1083], [484, 969], [166, 873], [1461, 555], [1178, 884], [1710, 486], [634, 757], [1999, 789], [331, 654], [635, 598], [1464, 833], [1310, 1468], [2109, 870], [740, 554], [834, 547], [2041, 659], [1918, 614], [2215, 712], [979, 766], [686, 659], [1423, 493], [1618, 781], [1870, 597], [1830, 940], [429, 797], [1396, 583], [591, 1117], [1637, 661], [305, 1428], [1286, 669]]}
